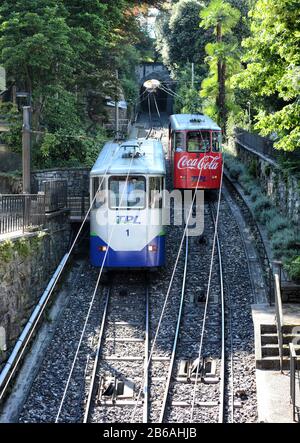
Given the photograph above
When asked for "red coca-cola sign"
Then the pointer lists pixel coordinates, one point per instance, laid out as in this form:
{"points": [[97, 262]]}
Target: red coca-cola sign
{"points": [[207, 162]]}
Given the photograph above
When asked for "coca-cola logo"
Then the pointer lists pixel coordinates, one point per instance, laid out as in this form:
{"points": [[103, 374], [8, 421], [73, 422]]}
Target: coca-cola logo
{"points": [[206, 162]]}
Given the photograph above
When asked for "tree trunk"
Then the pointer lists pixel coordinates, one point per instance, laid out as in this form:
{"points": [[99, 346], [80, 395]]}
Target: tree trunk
{"points": [[221, 99]]}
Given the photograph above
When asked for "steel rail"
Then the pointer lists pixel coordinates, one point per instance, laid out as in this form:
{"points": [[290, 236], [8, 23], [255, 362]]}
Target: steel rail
{"points": [[169, 287], [20, 347], [207, 297], [146, 374], [222, 370], [163, 408], [92, 299], [94, 373]]}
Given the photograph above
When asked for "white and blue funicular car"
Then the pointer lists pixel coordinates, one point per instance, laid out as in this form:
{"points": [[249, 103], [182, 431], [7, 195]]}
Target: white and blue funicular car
{"points": [[126, 184]]}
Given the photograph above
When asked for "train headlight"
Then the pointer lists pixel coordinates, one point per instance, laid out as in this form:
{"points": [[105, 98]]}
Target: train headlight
{"points": [[214, 177], [152, 248], [102, 248]]}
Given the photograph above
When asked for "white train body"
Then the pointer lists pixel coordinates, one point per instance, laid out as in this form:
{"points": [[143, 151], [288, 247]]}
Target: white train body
{"points": [[126, 221]]}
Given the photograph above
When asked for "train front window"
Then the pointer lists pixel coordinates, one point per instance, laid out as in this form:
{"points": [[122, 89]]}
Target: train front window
{"points": [[216, 141], [198, 141], [126, 194]]}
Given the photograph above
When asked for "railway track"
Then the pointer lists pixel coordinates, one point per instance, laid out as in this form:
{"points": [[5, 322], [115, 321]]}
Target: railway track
{"points": [[108, 382], [123, 339], [195, 384]]}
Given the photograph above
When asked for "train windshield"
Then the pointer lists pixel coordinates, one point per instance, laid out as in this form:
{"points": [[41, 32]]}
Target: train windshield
{"points": [[216, 141], [198, 141], [126, 193]]}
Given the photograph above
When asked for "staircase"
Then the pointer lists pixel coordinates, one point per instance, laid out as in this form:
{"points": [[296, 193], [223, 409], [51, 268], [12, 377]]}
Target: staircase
{"points": [[267, 353]]}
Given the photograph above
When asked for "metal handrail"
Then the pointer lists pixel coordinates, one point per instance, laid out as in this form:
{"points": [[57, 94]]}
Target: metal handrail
{"points": [[21, 211], [279, 318], [293, 364]]}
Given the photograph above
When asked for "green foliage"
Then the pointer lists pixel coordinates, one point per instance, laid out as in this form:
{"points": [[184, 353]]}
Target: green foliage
{"points": [[189, 99], [293, 267], [6, 251], [222, 12], [222, 58], [179, 39], [65, 53], [252, 168], [266, 215], [12, 138], [276, 223], [22, 247], [261, 203], [284, 239], [235, 169], [272, 75]]}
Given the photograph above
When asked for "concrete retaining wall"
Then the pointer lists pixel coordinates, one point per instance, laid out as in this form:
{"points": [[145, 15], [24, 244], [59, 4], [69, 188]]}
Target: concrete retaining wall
{"points": [[282, 187], [26, 266]]}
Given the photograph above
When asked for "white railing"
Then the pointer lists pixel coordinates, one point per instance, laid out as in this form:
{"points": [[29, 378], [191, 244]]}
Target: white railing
{"points": [[279, 318], [293, 370]]}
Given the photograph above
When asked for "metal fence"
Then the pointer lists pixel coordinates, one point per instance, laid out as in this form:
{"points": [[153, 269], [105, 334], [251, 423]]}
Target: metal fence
{"points": [[263, 145], [21, 212], [56, 194]]}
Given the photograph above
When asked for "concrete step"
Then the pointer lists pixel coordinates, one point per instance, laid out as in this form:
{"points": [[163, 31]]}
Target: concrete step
{"points": [[273, 363], [272, 350], [272, 329], [273, 339], [268, 329]]}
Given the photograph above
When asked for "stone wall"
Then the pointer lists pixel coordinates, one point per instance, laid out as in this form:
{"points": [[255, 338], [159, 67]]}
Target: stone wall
{"points": [[9, 161], [26, 266], [283, 188], [77, 178], [10, 184]]}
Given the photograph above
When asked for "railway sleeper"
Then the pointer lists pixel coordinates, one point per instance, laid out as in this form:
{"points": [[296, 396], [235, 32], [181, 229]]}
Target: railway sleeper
{"points": [[206, 367], [112, 390]]}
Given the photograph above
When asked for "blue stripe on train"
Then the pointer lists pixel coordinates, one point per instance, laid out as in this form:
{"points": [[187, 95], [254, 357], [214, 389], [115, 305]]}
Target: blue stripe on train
{"points": [[130, 259]]}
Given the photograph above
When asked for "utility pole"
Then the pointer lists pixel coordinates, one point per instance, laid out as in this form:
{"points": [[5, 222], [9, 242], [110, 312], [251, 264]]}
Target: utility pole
{"points": [[193, 75], [117, 107], [26, 155], [249, 114]]}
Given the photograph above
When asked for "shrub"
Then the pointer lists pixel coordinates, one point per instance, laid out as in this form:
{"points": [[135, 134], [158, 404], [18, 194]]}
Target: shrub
{"points": [[292, 266], [255, 193], [235, 169], [284, 239], [252, 168], [260, 204], [266, 215], [276, 223]]}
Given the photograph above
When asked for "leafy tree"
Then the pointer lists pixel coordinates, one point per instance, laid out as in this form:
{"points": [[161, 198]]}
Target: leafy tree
{"points": [[221, 17], [272, 74], [180, 40], [66, 53]]}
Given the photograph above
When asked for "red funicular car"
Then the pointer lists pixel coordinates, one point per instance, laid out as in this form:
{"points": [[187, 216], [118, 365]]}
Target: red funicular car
{"points": [[195, 151]]}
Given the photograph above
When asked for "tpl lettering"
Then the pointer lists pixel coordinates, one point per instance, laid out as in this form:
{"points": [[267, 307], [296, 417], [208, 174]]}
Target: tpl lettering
{"points": [[124, 219]]}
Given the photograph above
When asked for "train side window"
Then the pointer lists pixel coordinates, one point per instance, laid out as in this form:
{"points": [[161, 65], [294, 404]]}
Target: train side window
{"points": [[98, 191], [198, 141], [216, 141], [179, 142], [155, 196]]}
